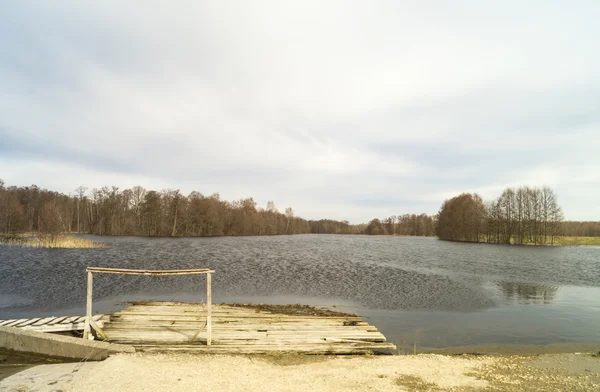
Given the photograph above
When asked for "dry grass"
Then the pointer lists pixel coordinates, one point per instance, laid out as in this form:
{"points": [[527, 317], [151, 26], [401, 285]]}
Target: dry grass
{"points": [[416, 384], [283, 359], [558, 241], [576, 241], [58, 242]]}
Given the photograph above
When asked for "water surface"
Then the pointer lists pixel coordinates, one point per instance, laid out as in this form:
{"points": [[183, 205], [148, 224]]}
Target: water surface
{"points": [[416, 290]]}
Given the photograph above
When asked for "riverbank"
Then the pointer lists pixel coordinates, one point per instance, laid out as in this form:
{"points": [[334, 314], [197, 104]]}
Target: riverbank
{"points": [[138, 372]]}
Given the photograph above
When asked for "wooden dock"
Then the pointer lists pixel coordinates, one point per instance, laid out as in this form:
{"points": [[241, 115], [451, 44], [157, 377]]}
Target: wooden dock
{"points": [[248, 329], [204, 328], [171, 326], [54, 324]]}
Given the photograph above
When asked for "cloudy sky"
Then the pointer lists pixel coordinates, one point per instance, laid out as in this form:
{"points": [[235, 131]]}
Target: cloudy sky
{"points": [[340, 109]]}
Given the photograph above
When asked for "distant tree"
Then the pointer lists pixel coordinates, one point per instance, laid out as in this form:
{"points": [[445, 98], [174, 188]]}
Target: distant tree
{"points": [[80, 192], [50, 222], [462, 218], [289, 215], [374, 227]]}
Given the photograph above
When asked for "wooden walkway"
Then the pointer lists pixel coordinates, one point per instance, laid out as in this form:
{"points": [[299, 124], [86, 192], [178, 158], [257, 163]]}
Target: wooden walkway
{"points": [[54, 324], [169, 326]]}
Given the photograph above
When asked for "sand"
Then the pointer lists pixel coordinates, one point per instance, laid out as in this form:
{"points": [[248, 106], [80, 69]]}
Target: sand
{"points": [[182, 372]]}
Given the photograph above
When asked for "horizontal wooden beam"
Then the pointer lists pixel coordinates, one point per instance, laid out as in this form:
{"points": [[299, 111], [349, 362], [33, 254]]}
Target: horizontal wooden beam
{"points": [[347, 348], [103, 270]]}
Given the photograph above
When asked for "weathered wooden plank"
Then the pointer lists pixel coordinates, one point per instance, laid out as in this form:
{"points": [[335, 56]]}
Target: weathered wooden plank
{"points": [[43, 321], [98, 330], [60, 327], [221, 307], [247, 327], [221, 340], [227, 320], [208, 310], [70, 320], [148, 272], [217, 309], [6, 322], [28, 322], [217, 316], [231, 320], [58, 320], [88, 307], [308, 349], [242, 334], [16, 322]]}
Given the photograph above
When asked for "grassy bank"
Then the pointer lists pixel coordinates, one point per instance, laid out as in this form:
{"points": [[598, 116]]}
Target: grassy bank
{"points": [[558, 241], [57, 242], [575, 241]]}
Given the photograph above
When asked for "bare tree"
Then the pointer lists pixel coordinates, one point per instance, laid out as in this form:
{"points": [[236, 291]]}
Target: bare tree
{"points": [[289, 215], [80, 192], [50, 222]]}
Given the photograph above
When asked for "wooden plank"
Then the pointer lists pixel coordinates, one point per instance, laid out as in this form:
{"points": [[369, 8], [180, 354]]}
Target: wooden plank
{"points": [[221, 310], [270, 333], [251, 339], [197, 333], [148, 272], [44, 321], [237, 327], [25, 323], [227, 316], [16, 322], [6, 322], [88, 307], [348, 348], [225, 308], [58, 320], [208, 309], [70, 319], [98, 330]]}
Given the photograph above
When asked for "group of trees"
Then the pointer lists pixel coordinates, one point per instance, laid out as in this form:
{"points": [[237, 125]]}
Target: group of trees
{"points": [[408, 225], [137, 211], [520, 216], [580, 229]]}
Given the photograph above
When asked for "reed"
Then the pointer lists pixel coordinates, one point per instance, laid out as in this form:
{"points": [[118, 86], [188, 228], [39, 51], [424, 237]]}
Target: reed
{"points": [[55, 242]]}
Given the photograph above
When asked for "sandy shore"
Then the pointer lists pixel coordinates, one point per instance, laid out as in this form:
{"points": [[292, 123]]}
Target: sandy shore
{"points": [[138, 372]]}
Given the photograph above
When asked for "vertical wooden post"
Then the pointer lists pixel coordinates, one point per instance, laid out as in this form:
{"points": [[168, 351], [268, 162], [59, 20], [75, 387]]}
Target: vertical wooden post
{"points": [[88, 308], [208, 309]]}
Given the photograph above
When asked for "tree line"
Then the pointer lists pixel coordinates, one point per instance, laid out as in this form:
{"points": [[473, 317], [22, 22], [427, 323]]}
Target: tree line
{"points": [[580, 229], [407, 225], [138, 211], [519, 216], [523, 215]]}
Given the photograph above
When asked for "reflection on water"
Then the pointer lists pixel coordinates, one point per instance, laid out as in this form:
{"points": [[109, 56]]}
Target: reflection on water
{"points": [[528, 293]]}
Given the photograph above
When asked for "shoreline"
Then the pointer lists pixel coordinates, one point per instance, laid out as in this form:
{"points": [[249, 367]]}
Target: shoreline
{"points": [[514, 349], [424, 372]]}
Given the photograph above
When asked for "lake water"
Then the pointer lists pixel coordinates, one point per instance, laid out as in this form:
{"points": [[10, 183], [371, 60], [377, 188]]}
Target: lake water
{"points": [[415, 290]]}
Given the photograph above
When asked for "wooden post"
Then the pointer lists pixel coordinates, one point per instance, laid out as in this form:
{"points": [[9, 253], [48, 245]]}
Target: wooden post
{"points": [[208, 309], [88, 308]]}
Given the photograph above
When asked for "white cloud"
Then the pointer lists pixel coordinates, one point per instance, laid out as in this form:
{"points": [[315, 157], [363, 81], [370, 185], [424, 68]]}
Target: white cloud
{"points": [[340, 109]]}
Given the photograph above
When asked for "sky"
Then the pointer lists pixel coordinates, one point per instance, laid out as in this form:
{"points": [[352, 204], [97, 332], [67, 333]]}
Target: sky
{"points": [[340, 109]]}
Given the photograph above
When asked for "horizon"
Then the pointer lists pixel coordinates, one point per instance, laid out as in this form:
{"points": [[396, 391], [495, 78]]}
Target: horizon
{"points": [[340, 111]]}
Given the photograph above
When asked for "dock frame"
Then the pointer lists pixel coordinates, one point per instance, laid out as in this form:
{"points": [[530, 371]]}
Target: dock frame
{"points": [[89, 322]]}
